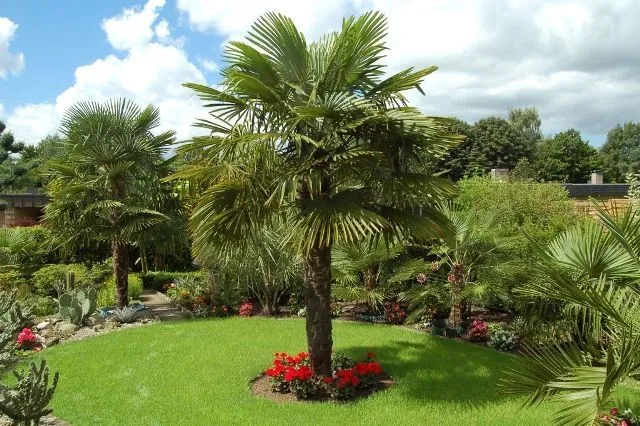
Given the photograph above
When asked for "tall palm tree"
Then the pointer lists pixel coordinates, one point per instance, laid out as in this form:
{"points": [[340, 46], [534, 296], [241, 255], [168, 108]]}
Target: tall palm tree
{"points": [[593, 273], [312, 133], [98, 188]]}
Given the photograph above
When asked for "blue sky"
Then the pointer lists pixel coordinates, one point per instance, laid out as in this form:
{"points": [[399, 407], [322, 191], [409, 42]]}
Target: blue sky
{"points": [[575, 61]]}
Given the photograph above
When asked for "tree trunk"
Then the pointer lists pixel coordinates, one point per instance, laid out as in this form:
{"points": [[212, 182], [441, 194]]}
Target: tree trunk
{"points": [[317, 298], [144, 262], [121, 272]]}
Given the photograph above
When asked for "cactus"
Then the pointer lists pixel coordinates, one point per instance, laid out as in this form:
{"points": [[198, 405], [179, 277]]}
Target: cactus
{"points": [[70, 282], [76, 307], [27, 401]]}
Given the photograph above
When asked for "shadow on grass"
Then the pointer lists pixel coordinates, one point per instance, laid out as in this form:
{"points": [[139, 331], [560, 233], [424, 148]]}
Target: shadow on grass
{"points": [[441, 370]]}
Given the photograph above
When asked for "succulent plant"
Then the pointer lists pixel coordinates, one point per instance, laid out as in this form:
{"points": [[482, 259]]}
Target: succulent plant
{"points": [[125, 315], [76, 307]]}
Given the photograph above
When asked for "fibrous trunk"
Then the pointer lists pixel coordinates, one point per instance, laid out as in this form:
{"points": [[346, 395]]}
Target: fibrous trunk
{"points": [[121, 272], [317, 298]]}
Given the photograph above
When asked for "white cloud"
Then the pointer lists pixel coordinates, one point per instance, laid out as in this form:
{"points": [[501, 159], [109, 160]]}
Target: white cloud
{"points": [[132, 28], [152, 72], [9, 62], [31, 123], [209, 65], [233, 18], [574, 59]]}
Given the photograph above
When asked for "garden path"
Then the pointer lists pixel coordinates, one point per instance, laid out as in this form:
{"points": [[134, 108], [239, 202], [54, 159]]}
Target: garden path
{"points": [[160, 306]]}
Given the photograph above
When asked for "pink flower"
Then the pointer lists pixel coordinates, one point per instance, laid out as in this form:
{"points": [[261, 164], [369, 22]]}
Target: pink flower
{"points": [[421, 278], [614, 411]]}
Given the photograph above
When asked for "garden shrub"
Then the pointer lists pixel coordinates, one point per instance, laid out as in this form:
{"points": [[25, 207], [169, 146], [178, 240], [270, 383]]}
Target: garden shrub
{"points": [[48, 280], [42, 306], [158, 280], [107, 294], [479, 331], [293, 374], [502, 339], [11, 279]]}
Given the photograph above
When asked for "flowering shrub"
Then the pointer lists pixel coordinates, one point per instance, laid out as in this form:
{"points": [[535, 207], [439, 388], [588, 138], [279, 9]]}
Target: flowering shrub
{"points": [[291, 374], [502, 340], [27, 340], [617, 418], [346, 382], [294, 374], [246, 309], [395, 313], [479, 331]]}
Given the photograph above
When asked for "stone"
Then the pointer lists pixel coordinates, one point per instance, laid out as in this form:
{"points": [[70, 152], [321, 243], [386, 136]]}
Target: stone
{"points": [[44, 325], [95, 319], [66, 328], [53, 340], [98, 327]]}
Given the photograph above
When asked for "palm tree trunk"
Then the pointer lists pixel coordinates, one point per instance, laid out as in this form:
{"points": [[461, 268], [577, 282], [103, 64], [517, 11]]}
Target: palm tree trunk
{"points": [[121, 272], [317, 298], [144, 262]]}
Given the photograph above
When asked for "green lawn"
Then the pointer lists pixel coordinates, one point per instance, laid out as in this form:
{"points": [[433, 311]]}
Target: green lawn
{"points": [[196, 373]]}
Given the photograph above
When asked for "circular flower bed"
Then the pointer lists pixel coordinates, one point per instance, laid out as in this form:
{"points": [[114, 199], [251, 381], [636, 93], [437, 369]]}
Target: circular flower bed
{"points": [[292, 376]]}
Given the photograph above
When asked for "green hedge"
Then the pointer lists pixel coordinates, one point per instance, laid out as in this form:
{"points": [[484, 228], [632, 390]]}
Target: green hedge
{"points": [[107, 294], [157, 280]]}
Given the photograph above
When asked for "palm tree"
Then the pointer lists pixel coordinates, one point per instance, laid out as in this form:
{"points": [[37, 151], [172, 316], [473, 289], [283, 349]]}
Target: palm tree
{"points": [[593, 273], [363, 272], [471, 248], [312, 134], [98, 188]]}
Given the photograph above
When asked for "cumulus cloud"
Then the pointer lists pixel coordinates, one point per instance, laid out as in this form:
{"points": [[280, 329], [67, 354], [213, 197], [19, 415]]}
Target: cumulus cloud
{"points": [[209, 65], [575, 60], [10, 63], [32, 122], [151, 72]]}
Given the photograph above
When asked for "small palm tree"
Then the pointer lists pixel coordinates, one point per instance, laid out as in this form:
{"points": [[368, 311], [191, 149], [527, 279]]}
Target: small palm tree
{"points": [[593, 273], [98, 188], [312, 133], [470, 249]]}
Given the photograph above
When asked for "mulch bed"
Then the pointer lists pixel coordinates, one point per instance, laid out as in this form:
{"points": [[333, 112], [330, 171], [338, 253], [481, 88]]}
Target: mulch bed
{"points": [[260, 387]]}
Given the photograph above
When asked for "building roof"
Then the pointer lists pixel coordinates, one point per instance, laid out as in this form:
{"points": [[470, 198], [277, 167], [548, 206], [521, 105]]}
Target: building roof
{"points": [[600, 190], [24, 200]]}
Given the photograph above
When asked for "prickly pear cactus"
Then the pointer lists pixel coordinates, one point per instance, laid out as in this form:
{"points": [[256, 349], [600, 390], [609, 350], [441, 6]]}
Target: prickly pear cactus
{"points": [[77, 307]]}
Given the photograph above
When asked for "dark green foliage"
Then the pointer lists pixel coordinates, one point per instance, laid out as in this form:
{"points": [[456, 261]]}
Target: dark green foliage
{"points": [[27, 401], [158, 280], [621, 151], [566, 158], [25, 172], [457, 161], [497, 145]]}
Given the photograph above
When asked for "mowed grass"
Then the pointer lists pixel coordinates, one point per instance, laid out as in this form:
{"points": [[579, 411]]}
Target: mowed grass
{"points": [[197, 373]]}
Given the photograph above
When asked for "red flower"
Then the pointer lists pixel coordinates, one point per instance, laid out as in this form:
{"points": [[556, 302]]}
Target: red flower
{"points": [[371, 355], [26, 336], [303, 355], [328, 380], [614, 411], [347, 377]]}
